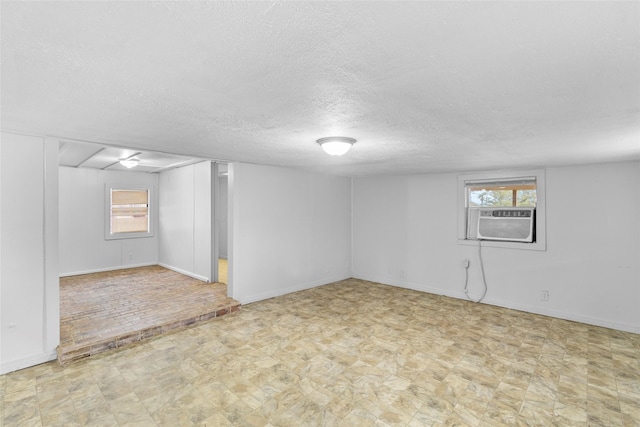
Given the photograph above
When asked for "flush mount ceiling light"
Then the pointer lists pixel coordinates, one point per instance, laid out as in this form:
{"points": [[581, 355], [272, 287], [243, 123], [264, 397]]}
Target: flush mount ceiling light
{"points": [[336, 145], [129, 163]]}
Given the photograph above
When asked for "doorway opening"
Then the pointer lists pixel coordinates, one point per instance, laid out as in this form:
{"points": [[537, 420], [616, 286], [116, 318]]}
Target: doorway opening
{"points": [[223, 223], [115, 292]]}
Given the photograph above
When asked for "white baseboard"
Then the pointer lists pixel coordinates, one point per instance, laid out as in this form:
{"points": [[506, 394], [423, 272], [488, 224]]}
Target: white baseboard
{"points": [[574, 317], [25, 362], [101, 270], [123, 267], [185, 272], [558, 314], [279, 292]]}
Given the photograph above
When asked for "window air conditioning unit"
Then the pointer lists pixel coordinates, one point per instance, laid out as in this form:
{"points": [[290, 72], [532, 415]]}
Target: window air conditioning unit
{"points": [[502, 224]]}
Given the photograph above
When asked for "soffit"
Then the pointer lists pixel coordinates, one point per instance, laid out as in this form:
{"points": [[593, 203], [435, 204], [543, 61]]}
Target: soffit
{"points": [[96, 156]]}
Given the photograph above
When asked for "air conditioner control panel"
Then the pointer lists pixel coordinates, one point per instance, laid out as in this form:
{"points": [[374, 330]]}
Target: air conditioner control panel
{"points": [[506, 213]]}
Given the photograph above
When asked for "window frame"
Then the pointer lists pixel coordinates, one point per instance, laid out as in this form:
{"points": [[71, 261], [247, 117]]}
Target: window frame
{"points": [[502, 188], [541, 234], [107, 217]]}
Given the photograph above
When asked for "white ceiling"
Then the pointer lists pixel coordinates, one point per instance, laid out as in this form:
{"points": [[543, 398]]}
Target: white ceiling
{"points": [[422, 86]]}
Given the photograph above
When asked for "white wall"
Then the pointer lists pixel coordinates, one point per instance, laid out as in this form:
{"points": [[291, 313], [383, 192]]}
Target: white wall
{"points": [[289, 231], [83, 206], [405, 234], [29, 293], [185, 220], [223, 222]]}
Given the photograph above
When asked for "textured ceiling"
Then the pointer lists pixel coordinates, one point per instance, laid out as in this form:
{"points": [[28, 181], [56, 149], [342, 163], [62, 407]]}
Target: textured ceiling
{"points": [[422, 86]]}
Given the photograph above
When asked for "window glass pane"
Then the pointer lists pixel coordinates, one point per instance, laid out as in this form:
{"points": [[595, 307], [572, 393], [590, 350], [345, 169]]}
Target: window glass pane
{"points": [[129, 224], [129, 211], [526, 198], [502, 194], [124, 197], [490, 198]]}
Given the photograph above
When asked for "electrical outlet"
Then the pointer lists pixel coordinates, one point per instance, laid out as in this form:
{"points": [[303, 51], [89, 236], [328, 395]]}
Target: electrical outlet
{"points": [[466, 263], [544, 295]]}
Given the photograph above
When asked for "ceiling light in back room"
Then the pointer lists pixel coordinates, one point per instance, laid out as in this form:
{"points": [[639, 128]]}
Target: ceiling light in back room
{"points": [[336, 145], [129, 163]]}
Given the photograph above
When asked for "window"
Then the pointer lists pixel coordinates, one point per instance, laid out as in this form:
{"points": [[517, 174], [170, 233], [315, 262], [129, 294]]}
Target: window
{"points": [[129, 213], [503, 209], [505, 193]]}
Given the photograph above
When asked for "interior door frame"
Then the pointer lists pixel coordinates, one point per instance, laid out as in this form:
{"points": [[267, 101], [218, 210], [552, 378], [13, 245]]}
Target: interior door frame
{"points": [[215, 221]]}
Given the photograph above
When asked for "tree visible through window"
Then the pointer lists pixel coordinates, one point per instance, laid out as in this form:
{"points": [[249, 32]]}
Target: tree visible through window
{"points": [[502, 194], [129, 212]]}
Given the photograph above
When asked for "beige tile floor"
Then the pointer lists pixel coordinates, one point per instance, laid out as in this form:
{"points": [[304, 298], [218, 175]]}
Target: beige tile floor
{"points": [[347, 354]]}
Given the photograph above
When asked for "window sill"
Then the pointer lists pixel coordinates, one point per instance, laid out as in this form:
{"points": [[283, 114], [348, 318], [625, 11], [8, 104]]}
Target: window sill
{"points": [[535, 246], [122, 236]]}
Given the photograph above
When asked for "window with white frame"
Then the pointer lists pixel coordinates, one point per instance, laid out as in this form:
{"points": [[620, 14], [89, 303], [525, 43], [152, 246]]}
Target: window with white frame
{"points": [[502, 193], [504, 209], [129, 213]]}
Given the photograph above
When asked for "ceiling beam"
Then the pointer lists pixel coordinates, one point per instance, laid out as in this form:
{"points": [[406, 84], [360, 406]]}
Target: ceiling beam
{"points": [[90, 157]]}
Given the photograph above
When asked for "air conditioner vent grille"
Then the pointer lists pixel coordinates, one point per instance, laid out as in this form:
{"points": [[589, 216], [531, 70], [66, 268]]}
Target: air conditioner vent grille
{"points": [[502, 224]]}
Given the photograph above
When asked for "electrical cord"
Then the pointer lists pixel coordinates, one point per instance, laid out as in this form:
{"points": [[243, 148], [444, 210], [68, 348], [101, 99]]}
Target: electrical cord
{"points": [[484, 280]]}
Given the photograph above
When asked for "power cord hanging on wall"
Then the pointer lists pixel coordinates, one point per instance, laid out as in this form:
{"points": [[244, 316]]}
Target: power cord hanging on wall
{"points": [[466, 277]]}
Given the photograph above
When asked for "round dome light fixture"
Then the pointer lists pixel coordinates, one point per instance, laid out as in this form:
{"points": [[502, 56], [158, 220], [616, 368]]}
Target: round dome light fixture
{"points": [[336, 145], [129, 163]]}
